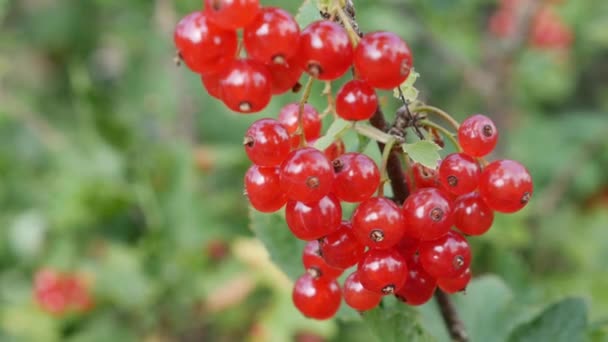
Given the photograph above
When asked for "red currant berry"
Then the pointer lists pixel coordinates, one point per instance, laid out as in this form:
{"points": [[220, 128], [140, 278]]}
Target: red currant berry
{"points": [[446, 257], [316, 298], [203, 46], [341, 248], [358, 297], [314, 262], [271, 36], [211, 82], [472, 216], [506, 186], [313, 221], [424, 177], [245, 86], [267, 142], [284, 76], [407, 246], [477, 135], [382, 271], [383, 60], [356, 101], [357, 177], [456, 284], [306, 175], [428, 214], [263, 189], [419, 286], [232, 14], [48, 292], [77, 293], [336, 149], [326, 50], [459, 173], [311, 122], [378, 223]]}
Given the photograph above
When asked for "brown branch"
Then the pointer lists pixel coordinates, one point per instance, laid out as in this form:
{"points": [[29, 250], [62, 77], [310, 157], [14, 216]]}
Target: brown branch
{"points": [[453, 323]]}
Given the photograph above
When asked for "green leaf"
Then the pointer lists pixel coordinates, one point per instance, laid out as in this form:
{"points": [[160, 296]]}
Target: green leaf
{"points": [[395, 321], [307, 13], [335, 130], [424, 152], [407, 87], [564, 321]]}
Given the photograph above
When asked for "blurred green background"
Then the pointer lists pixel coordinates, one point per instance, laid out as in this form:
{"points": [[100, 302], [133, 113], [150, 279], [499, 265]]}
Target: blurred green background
{"points": [[117, 164]]}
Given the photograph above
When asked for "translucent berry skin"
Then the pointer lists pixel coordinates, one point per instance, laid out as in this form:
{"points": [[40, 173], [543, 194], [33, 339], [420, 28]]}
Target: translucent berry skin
{"points": [[358, 297], [203, 46], [472, 216], [407, 246], [459, 173], [506, 186], [357, 177], [446, 257], [316, 298], [232, 14], [272, 36], [477, 135], [456, 284], [383, 59], [311, 120], [306, 175], [341, 248], [424, 177], [356, 100], [428, 214], [419, 286], [335, 150], [284, 76], [326, 50], [382, 271], [263, 189], [267, 142], [312, 222], [245, 86], [312, 260], [378, 223], [211, 82]]}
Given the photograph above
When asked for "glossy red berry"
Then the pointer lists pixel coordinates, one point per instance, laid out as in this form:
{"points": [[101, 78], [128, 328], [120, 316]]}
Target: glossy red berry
{"points": [[358, 297], [211, 82], [335, 150], [313, 221], [506, 186], [456, 284], [267, 142], [341, 248], [263, 188], [382, 270], [284, 76], [407, 246], [383, 59], [477, 135], [446, 257], [232, 14], [459, 173], [326, 50], [378, 223], [272, 36], [203, 46], [316, 298], [245, 86], [428, 214], [356, 100], [424, 177], [315, 263], [472, 216], [306, 175], [357, 177], [311, 121], [419, 286]]}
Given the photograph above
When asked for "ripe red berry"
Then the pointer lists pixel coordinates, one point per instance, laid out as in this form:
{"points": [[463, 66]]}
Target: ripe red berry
{"points": [[341, 248], [357, 177], [211, 82], [314, 262], [203, 46], [267, 142], [272, 36], [232, 14], [419, 286], [446, 257], [316, 298], [428, 214], [459, 173], [424, 177], [378, 223], [336, 149], [311, 121], [358, 297], [356, 101], [477, 135], [263, 189], [313, 221], [245, 86], [456, 284], [407, 246], [77, 293], [306, 175], [472, 216], [48, 292], [506, 186], [383, 59], [326, 50], [284, 76], [382, 271]]}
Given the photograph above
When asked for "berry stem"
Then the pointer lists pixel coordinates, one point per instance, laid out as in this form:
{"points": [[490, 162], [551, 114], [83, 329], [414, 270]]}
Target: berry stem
{"points": [[439, 112], [444, 131], [303, 101], [331, 108], [346, 22], [386, 153], [453, 323], [373, 133]]}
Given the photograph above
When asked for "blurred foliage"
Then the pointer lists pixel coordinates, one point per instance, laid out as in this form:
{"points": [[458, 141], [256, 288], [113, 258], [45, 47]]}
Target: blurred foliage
{"points": [[115, 163]]}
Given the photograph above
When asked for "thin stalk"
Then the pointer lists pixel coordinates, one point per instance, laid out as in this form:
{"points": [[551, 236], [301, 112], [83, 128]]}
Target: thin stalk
{"points": [[440, 113], [444, 131]]}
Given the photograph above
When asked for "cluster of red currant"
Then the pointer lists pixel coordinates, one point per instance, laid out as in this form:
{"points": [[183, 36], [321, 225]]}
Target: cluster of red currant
{"points": [[60, 293]]}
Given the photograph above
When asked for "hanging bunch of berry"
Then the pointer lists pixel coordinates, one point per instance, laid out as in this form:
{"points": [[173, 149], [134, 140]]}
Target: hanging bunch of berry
{"points": [[412, 210]]}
